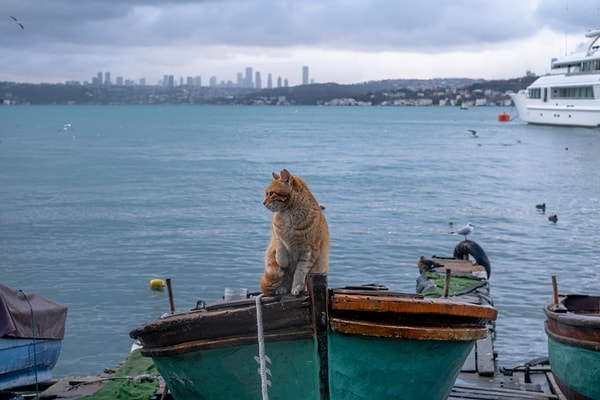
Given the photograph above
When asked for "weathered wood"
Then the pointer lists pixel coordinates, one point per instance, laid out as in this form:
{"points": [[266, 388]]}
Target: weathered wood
{"points": [[457, 265], [580, 326], [420, 307], [485, 356], [470, 364], [371, 328], [237, 319]]}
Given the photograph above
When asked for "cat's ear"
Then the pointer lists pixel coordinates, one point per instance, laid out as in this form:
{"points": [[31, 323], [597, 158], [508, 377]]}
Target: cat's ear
{"points": [[275, 176], [286, 177]]}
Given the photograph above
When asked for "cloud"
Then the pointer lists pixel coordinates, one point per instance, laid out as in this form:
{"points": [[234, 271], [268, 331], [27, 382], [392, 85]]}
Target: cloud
{"points": [[68, 39]]}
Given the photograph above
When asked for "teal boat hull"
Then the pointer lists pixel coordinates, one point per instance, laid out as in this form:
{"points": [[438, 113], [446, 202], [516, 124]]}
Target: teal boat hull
{"points": [[573, 329], [577, 369], [366, 367], [232, 372]]}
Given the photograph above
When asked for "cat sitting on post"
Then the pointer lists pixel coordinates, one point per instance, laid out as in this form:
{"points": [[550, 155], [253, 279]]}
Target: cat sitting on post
{"points": [[299, 242]]}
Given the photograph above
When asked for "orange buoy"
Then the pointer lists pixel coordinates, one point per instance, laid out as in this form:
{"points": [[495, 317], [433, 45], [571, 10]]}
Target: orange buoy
{"points": [[503, 117]]}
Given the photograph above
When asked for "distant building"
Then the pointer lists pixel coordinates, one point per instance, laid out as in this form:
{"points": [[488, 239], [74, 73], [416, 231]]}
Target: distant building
{"points": [[257, 81], [269, 81], [107, 79], [278, 81], [248, 79], [305, 75]]}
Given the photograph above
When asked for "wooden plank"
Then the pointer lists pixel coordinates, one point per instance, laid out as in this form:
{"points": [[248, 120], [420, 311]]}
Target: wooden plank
{"points": [[470, 364], [559, 394], [485, 356], [482, 392]]}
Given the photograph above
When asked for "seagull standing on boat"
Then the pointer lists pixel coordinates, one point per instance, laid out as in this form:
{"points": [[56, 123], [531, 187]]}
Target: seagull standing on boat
{"points": [[465, 230]]}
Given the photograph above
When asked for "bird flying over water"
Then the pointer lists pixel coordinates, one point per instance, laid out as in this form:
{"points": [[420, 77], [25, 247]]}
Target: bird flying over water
{"points": [[465, 230], [17, 22], [473, 132]]}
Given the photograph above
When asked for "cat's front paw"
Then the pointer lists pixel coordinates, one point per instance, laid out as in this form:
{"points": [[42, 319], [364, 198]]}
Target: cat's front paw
{"points": [[281, 290], [298, 290]]}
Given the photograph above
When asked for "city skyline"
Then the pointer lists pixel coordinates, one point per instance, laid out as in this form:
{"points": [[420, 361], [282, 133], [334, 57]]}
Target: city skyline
{"points": [[103, 78]]}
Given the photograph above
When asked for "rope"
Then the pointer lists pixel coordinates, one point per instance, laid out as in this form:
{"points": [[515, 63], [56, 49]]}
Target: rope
{"points": [[37, 391], [262, 358]]}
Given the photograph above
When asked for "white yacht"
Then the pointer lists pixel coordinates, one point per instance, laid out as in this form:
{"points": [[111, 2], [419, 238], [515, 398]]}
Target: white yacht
{"points": [[570, 94]]}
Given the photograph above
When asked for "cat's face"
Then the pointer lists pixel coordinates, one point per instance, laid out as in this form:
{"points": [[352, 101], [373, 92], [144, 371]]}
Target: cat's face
{"points": [[277, 195]]}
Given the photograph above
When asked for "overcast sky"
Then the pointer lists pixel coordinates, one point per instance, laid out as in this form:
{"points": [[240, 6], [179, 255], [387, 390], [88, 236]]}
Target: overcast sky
{"points": [[344, 41]]}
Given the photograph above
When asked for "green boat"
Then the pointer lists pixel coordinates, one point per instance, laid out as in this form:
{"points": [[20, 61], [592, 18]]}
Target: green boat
{"points": [[239, 349], [573, 329], [385, 345]]}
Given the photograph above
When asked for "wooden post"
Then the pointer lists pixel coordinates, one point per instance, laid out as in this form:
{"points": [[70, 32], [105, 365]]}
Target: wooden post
{"points": [[171, 300], [554, 290], [447, 283], [317, 288]]}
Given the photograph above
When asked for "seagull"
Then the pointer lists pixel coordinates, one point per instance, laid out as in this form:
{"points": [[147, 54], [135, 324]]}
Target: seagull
{"points": [[66, 127], [553, 218], [473, 132], [465, 230], [426, 264], [17, 22]]}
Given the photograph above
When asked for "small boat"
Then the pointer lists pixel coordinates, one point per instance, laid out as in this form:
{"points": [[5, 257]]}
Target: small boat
{"points": [[569, 94], [573, 329], [214, 351], [385, 345], [31, 332]]}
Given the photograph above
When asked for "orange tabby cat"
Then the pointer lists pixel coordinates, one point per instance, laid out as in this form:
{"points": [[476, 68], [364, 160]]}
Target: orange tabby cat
{"points": [[299, 239]]}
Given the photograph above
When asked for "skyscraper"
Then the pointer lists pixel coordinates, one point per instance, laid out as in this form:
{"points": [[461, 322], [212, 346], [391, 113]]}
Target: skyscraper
{"points": [[305, 75], [248, 79], [257, 80]]}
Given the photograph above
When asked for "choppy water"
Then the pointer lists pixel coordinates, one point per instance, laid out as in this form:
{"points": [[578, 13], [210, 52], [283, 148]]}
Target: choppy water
{"points": [[88, 216]]}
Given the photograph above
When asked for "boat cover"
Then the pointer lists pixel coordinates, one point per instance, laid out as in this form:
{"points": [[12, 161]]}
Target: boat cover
{"points": [[16, 316]]}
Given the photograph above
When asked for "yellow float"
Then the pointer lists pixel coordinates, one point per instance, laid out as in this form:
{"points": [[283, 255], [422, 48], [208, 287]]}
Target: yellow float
{"points": [[157, 284]]}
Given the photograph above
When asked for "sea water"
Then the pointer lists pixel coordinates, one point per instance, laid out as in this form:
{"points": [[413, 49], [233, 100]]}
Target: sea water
{"points": [[92, 211]]}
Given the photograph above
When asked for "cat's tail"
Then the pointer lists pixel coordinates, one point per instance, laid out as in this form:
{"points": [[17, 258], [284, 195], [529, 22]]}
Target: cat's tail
{"points": [[271, 280]]}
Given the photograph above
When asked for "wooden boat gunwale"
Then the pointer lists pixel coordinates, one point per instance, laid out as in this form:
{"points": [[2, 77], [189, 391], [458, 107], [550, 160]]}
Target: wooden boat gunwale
{"points": [[418, 306], [566, 323], [458, 333], [213, 323]]}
